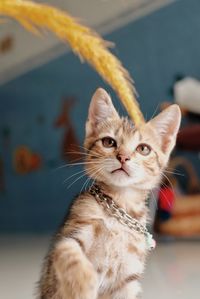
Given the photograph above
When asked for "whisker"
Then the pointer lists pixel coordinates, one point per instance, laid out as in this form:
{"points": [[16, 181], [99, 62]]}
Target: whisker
{"points": [[172, 169], [155, 111], [166, 198], [170, 183], [85, 183], [91, 174], [76, 180], [97, 170], [94, 180], [91, 151], [85, 163], [73, 175], [79, 163], [81, 153], [174, 172], [85, 173]]}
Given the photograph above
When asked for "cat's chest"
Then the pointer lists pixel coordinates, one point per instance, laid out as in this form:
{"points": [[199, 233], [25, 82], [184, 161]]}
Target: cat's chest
{"points": [[117, 250]]}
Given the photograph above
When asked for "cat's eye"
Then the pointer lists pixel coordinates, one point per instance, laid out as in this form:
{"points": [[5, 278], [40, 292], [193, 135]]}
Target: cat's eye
{"points": [[143, 149], [109, 142]]}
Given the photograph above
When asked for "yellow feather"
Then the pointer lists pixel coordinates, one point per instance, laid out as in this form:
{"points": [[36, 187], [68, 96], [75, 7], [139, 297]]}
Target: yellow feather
{"points": [[86, 43]]}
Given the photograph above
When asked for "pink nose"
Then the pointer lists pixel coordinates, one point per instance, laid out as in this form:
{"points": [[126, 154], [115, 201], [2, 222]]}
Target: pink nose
{"points": [[123, 158]]}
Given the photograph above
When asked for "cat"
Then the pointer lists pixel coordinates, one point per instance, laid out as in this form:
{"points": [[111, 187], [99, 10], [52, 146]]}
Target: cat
{"points": [[95, 255]]}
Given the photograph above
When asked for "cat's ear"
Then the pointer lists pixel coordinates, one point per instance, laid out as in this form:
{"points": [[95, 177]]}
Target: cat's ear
{"points": [[167, 124], [101, 108]]}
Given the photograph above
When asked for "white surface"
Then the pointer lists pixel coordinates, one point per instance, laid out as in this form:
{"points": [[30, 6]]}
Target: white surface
{"points": [[173, 270], [103, 15]]}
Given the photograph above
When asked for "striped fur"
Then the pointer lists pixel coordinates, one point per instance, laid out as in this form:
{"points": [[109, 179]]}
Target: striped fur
{"points": [[94, 256]]}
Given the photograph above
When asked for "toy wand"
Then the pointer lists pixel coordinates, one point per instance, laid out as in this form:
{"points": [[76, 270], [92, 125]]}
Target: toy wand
{"points": [[84, 42]]}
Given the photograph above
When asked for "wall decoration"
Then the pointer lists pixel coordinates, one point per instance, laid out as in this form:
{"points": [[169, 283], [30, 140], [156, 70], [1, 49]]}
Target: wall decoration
{"points": [[6, 44], [70, 145], [25, 161]]}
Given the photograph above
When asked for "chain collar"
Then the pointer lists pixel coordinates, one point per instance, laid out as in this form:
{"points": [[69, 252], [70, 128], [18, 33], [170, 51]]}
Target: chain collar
{"points": [[121, 215]]}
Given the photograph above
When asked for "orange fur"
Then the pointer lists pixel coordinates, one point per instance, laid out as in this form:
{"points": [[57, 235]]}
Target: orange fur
{"points": [[94, 256]]}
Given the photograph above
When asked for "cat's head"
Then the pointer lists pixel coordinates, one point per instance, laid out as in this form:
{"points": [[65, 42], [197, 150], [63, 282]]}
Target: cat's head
{"points": [[120, 154]]}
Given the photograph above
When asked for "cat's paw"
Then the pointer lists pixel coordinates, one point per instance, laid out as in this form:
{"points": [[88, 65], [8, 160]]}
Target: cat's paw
{"points": [[76, 274], [79, 282], [85, 282]]}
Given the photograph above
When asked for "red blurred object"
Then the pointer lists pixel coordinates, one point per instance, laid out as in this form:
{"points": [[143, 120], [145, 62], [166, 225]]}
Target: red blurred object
{"points": [[166, 198]]}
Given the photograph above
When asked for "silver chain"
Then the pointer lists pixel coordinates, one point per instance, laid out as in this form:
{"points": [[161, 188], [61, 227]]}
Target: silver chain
{"points": [[119, 213]]}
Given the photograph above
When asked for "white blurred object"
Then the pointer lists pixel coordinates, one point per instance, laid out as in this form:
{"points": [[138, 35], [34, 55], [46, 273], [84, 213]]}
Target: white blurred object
{"points": [[187, 94]]}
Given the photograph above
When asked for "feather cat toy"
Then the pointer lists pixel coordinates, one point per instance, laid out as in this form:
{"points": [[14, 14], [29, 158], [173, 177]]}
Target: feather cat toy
{"points": [[86, 43]]}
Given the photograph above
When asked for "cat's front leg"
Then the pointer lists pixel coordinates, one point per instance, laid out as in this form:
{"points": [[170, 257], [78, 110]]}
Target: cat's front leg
{"points": [[129, 288], [76, 275]]}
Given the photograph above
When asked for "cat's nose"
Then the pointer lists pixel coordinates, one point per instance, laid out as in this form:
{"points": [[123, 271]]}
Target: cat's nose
{"points": [[123, 158]]}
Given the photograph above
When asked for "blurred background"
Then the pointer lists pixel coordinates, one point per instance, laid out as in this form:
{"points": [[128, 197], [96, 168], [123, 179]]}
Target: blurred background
{"points": [[44, 96]]}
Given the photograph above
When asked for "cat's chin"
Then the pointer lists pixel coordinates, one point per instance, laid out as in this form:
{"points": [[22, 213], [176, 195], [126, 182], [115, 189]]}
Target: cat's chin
{"points": [[119, 178], [122, 180], [121, 184]]}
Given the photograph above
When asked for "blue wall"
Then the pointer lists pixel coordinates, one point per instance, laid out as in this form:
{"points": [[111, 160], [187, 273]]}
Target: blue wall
{"points": [[153, 48]]}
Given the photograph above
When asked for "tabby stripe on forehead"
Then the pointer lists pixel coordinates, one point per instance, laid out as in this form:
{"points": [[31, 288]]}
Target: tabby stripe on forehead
{"points": [[140, 136], [116, 131], [123, 283], [157, 160]]}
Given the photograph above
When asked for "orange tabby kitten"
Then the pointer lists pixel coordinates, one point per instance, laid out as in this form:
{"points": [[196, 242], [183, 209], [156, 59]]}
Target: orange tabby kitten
{"points": [[100, 250]]}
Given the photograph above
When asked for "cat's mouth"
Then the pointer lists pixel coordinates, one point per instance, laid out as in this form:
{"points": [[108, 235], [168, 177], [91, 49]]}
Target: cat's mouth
{"points": [[121, 169]]}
